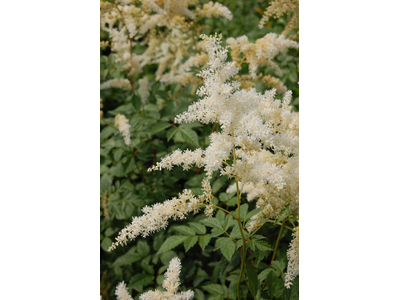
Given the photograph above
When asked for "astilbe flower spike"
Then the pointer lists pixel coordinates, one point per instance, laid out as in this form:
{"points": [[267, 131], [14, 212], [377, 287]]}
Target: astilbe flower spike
{"points": [[170, 284]]}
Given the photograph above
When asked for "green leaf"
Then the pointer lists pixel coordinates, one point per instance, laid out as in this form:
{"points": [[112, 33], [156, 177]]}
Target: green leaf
{"points": [[253, 212], [145, 264], [219, 183], [212, 222], [142, 248], [293, 292], [162, 94], [243, 211], [264, 274], [262, 245], [185, 230], [106, 243], [106, 132], [204, 240], [159, 126], [190, 136], [227, 247], [198, 228], [136, 102], [190, 242], [126, 259], [214, 289], [171, 243], [284, 214], [254, 284], [171, 132], [275, 285], [199, 295], [278, 265], [139, 281]]}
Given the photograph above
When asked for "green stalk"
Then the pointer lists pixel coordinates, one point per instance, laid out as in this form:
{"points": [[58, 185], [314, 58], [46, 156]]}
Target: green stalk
{"points": [[243, 256]]}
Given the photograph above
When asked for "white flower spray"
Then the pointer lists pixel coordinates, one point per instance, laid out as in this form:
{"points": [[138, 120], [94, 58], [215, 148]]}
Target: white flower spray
{"points": [[123, 125], [170, 284]]}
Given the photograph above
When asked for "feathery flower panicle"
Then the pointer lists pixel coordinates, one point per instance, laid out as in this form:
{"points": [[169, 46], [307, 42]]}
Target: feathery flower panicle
{"points": [[122, 292], [116, 83], [215, 10], [262, 51], [171, 284], [156, 217], [123, 125], [143, 87], [278, 8], [293, 258]]}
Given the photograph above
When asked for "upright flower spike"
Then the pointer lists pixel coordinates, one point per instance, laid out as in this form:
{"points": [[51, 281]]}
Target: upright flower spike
{"points": [[123, 125], [293, 258], [171, 284], [122, 292]]}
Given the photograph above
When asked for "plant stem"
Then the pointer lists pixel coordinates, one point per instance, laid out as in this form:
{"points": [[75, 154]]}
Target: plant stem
{"points": [[276, 247], [277, 242], [102, 119], [243, 257]]}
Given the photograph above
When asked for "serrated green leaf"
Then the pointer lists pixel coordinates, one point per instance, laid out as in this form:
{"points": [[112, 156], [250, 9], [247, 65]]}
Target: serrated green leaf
{"points": [[136, 102], [126, 259], [159, 126], [198, 228], [278, 265], [171, 243], [212, 222], [214, 289], [219, 183], [190, 242], [145, 264], [142, 248], [253, 212], [284, 214], [204, 240], [190, 136], [275, 285], [262, 245], [139, 281], [254, 284], [264, 274], [185, 230], [171, 132], [106, 132], [106, 243], [227, 246], [198, 294]]}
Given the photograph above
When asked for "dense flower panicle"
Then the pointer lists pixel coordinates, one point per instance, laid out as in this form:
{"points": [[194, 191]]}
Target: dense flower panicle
{"points": [[171, 284], [261, 52], [156, 217], [122, 292], [264, 132], [116, 83], [293, 259], [123, 125], [143, 87], [212, 9], [126, 23], [277, 9]]}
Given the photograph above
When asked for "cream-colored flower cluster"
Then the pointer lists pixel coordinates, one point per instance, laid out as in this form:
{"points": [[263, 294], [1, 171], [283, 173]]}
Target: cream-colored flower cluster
{"points": [[278, 8], [123, 125], [156, 217], [262, 52], [293, 257], [263, 132], [126, 22], [170, 284]]}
